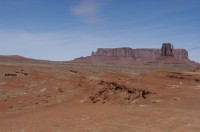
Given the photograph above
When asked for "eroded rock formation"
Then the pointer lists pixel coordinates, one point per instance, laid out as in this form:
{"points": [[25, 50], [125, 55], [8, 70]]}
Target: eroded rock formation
{"points": [[167, 49], [129, 56], [143, 54], [114, 52]]}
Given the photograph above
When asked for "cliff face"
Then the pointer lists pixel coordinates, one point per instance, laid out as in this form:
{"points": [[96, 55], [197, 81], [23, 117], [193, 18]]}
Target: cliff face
{"points": [[114, 52], [146, 54], [166, 50], [180, 53], [128, 56]]}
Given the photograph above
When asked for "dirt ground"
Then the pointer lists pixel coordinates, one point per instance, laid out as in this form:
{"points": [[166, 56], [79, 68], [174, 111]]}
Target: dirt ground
{"points": [[84, 98]]}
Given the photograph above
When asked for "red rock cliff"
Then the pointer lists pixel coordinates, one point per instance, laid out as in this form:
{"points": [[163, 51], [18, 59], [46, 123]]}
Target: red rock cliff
{"points": [[129, 56], [166, 50], [114, 52]]}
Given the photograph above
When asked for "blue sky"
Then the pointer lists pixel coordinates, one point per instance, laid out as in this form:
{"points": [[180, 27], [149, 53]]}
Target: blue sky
{"points": [[66, 29]]}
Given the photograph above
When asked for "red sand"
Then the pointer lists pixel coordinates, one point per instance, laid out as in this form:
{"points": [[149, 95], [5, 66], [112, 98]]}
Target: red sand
{"points": [[57, 97]]}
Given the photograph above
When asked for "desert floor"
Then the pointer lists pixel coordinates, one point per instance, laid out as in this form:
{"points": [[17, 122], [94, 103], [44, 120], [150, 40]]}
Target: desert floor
{"points": [[58, 97]]}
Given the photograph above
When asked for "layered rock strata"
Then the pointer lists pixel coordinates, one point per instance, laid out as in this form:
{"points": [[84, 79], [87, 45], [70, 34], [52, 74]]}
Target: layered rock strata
{"points": [[167, 50], [129, 56]]}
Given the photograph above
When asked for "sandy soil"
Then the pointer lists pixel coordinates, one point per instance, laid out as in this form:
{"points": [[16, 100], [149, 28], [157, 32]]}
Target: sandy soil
{"points": [[66, 97]]}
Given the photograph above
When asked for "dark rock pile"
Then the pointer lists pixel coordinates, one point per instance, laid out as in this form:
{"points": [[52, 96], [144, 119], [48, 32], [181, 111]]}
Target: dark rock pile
{"points": [[112, 91]]}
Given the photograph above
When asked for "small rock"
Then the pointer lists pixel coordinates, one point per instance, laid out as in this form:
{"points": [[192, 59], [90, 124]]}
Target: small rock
{"points": [[42, 90], [155, 101], [10, 74], [135, 101], [141, 105], [91, 97], [176, 98], [60, 90], [96, 100], [73, 71]]}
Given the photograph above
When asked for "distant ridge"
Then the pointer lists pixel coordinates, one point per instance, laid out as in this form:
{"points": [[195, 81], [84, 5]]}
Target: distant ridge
{"points": [[17, 58]]}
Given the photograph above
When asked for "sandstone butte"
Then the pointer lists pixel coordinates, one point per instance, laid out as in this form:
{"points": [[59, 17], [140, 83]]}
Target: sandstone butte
{"points": [[166, 55]]}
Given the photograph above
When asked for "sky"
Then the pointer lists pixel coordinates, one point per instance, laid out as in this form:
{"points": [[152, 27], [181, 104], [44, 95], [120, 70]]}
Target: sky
{"points": [[66, 29]]}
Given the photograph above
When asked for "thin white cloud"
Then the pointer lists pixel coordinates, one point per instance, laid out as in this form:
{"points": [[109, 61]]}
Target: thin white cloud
{"points": [[88, 11]]}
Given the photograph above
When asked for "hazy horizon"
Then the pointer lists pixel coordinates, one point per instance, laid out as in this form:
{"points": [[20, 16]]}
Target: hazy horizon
{"points": [[63, 30]]}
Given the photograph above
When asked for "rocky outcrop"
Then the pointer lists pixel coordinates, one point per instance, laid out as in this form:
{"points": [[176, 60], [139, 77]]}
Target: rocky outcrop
{"points": [[180, 54], [143, 54], [128, 56], [114, 52], [167, 49]]}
